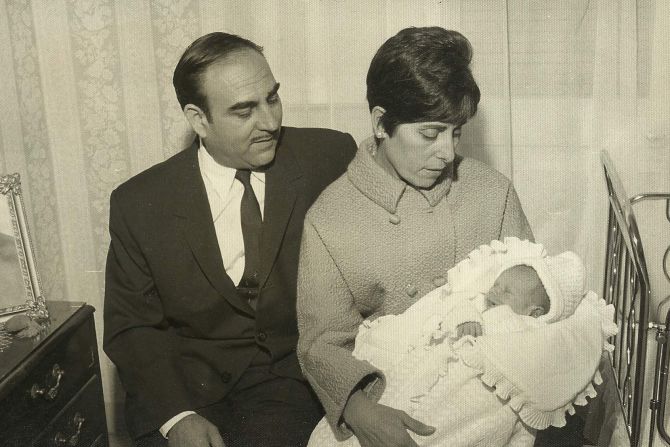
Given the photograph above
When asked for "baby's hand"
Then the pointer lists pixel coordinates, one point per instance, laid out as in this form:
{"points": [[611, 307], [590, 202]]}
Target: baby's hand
{"points": [[469, 328]]}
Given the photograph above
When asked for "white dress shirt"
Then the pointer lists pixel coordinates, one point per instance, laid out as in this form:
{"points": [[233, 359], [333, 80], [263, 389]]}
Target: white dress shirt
{"points": [[224, 193]]}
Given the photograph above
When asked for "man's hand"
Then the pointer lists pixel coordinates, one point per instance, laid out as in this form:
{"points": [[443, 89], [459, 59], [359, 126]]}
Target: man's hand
{"points": [[194, 431], [469, 328], [377, 425]]}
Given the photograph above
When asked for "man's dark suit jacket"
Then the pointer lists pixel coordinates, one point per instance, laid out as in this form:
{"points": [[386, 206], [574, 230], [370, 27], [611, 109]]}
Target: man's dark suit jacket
{"points": [[175, 326]]}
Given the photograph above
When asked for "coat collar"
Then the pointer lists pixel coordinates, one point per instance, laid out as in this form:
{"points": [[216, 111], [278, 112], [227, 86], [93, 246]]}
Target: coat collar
{"points": [[385, 190], [282, 187], [191, 207], [194, 217]]}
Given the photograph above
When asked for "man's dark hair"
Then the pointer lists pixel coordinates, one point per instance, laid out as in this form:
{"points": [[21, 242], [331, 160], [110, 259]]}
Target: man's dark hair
{"points": [[202, 53], [423, 74]]}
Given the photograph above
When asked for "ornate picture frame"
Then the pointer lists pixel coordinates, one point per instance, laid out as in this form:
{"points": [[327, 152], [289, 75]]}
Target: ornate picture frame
{"points": [[18, 271]]}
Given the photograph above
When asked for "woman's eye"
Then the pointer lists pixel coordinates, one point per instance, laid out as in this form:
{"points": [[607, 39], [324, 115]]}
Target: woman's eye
{"points": [[273, 99], [430, 134]]}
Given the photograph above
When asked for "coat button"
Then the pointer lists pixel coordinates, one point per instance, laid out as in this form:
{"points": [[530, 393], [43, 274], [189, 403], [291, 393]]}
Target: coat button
{"points": [[394, 219], [439, 281], [262, 336], [411, 290], [226, 376]]}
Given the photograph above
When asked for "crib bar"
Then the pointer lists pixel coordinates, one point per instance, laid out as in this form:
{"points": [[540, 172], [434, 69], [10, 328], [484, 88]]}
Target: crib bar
{"points": [[627, 288], [611, 237], [660, 389], [620, 312], [642, 298], [661, 376], [627, 330]]}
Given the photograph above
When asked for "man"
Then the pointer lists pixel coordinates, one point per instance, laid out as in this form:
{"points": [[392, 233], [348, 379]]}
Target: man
{"points": [[201, 272]]}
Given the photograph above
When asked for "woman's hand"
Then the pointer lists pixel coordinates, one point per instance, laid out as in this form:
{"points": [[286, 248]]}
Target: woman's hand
{"points": [[377, 425]]}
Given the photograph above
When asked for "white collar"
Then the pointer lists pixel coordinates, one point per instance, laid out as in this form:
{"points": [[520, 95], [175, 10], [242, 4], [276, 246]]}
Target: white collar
{"points": [[221, 177]]}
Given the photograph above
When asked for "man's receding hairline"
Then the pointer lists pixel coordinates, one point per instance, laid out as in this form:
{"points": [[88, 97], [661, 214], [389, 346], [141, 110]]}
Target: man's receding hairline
{"points": [[230, 55]]}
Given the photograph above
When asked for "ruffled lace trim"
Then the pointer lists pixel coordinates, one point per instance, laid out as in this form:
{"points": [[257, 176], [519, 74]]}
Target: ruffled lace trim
{"points": [[475, 272], [532, 416]]}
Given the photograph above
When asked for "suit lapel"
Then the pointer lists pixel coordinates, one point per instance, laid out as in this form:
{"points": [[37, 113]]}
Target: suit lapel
{"points": [[281, 191], [193, 214]]}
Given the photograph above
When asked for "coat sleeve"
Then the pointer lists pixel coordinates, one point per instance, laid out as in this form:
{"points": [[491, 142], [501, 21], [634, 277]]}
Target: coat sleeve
{"points": [[136, 336], [514, 222], [328, 323]]}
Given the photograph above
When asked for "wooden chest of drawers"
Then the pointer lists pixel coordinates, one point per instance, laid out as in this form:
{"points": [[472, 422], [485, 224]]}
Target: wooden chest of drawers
{"points": [[50, 387]]}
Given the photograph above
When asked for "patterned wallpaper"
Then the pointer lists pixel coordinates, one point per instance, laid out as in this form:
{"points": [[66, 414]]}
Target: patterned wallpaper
{"points": [[38, 177], [97, 78], [86, 101]]}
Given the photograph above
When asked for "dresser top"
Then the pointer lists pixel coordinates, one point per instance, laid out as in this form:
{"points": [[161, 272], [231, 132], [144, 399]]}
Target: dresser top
{"points": [[62, 316]]}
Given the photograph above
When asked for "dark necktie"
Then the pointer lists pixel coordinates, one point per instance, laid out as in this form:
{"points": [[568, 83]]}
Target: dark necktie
{"points": [[252, 221]]}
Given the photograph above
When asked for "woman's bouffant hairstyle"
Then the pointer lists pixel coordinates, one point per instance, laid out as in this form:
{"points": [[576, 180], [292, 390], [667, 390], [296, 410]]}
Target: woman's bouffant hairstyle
{"points": [[202, 53], [423, 74]]}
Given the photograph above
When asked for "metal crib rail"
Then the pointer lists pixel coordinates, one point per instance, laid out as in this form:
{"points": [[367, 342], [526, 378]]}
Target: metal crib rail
{"points": [[627, 287], [659, 398], [660, 389]]}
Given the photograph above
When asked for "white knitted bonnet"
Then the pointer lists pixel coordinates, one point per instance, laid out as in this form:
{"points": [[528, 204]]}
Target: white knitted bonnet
{"points": [[563, 277]]}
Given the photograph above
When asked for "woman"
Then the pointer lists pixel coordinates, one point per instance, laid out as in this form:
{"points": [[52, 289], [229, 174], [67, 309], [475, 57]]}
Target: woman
{"points": [[386, 232]]}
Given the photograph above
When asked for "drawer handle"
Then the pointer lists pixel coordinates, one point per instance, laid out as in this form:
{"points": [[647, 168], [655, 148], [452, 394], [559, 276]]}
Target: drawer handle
{"points": [[78, 423], [49, 393]]}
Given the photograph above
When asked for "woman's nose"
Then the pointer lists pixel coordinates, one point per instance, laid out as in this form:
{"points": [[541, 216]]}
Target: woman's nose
{"points": [[447, 148]]}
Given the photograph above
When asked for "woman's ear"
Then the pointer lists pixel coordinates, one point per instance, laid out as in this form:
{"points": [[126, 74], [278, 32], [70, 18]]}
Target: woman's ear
{"points": [[197, 119], [377, 127]]}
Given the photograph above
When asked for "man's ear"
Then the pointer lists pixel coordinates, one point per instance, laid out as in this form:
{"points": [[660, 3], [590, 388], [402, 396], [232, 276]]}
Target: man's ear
{"points": [[197, 119], [375, 116]]}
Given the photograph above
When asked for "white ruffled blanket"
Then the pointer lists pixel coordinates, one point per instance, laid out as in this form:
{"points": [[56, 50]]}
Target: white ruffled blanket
{"points": [[493, 390]]}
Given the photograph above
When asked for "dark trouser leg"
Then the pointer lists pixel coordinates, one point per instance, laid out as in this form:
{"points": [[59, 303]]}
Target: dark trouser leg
{"points": [[153, 439], [263, 410], [276, 412]]}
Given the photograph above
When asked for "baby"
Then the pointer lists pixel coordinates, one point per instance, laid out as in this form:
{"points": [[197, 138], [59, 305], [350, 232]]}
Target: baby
{"points": [[515, 294], [462, 357], [518, 287], [521, 287]]}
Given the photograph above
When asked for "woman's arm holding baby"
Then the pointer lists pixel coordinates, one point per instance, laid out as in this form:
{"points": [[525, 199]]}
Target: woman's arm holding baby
{"points": [[328, 322]]}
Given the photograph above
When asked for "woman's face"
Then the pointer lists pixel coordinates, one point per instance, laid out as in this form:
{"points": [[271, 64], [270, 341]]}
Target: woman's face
{"points": [[418, 152]]}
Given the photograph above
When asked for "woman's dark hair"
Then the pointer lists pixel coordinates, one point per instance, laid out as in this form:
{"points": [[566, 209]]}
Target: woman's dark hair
{"points": [[202, 53], [423, 74]]}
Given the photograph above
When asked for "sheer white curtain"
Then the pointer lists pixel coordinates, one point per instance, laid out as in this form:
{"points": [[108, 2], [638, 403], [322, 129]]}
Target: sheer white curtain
{"points": [[86, 101]]}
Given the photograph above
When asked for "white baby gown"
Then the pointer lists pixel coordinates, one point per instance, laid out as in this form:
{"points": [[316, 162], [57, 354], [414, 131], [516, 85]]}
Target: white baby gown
{"points": [[494, 390]]}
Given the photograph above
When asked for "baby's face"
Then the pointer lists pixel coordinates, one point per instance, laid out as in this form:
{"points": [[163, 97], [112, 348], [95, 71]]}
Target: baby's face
{"points": [[521, 289]]}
